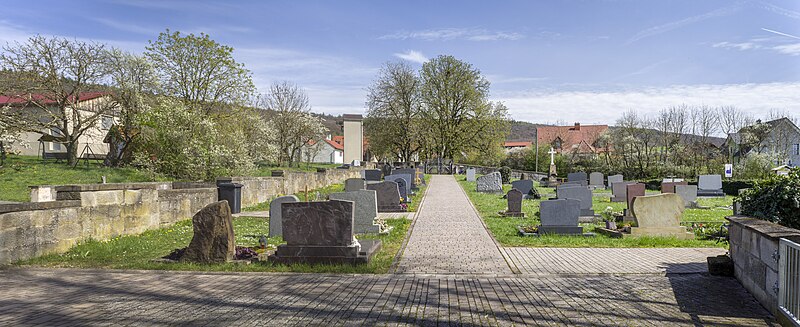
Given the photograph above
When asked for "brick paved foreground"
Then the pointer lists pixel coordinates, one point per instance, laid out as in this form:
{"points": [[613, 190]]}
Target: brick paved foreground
{"points": [[572, 261], [88, 298], [449, 237]]}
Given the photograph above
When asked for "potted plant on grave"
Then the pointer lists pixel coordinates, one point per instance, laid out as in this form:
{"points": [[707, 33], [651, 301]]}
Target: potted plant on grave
{"points": [[609, 218]]}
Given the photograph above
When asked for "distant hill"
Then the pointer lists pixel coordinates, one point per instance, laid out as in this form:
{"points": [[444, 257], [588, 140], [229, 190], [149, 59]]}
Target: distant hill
{"points": [[523, 131]]}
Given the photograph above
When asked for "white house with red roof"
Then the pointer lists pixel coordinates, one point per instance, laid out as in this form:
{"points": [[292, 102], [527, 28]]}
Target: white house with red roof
{"points": [[326, 151], [576, 140]]}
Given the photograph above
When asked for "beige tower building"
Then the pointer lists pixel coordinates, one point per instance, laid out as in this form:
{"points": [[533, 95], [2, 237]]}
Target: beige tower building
{"points": [[353, 138]]}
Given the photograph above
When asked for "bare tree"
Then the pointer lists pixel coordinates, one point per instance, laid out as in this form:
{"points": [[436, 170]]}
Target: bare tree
{"points": [[732, 120], [707, 123], [54, 76], [294, 126]]}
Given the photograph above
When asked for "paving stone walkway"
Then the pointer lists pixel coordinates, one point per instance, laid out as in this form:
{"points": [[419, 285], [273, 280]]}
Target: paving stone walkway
{"points": [[449, 237], [109, 298]]}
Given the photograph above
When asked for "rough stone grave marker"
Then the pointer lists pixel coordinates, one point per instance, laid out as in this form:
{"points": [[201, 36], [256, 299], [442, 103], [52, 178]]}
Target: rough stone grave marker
{"points": [[388, 194], [560, 216], [710, 185], [490, 183], [470, 174], [659, 215], [213, 239], [365, 211], [355, 184], [275, 221]]}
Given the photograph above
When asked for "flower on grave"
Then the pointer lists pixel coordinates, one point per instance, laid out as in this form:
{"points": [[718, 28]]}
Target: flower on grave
{"points": [[608, 214]]}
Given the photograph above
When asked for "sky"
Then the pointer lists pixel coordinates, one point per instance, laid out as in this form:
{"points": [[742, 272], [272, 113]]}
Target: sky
{"points": [[548, 61]]}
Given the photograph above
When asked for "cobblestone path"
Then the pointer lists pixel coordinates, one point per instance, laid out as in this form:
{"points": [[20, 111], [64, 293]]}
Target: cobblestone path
{"points": [[97, 298], [449, 237]]}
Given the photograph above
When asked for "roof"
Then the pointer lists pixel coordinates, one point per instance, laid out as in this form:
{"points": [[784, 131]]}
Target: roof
{"points": [[352, 117], [517, 144], [578, 138], [45, 99], [335, 145]]}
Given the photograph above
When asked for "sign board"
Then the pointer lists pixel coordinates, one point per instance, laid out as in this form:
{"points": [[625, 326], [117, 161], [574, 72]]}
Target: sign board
{"points": [[728, 170]]}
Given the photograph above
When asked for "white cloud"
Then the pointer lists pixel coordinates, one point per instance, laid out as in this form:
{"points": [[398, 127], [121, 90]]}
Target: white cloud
{"points": [[740, 46], [790, 49], [444, 34], [606, 107], [413, 56], [663, 28]]}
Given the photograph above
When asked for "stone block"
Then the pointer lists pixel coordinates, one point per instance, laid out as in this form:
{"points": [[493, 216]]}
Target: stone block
{"points": [[328, 223], [767, 249], [213, 239], [489, 183], [355, 184], [471, 175], [659, 215], [366, 209], [388, 194]]}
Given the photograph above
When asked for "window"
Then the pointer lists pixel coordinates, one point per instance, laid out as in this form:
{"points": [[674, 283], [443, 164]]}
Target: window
{"points": [[796, 149], [55, 146], [106, 122]]}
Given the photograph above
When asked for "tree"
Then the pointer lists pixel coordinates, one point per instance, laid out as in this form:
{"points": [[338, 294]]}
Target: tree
{"points": [[199, 70], [10, 129], [293, 123], [456, 111], [732, 120], [54, 75], [393, 113]]}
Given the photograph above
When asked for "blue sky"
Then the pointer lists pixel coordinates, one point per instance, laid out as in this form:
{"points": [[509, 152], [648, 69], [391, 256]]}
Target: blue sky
{"points": [[549, 61]]}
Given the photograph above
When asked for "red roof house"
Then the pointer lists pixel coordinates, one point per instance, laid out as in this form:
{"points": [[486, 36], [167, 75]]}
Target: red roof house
{"points": [[577, 139]]}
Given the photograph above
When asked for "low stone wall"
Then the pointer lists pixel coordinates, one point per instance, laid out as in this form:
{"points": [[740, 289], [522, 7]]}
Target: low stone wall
{"points": [[515, 174], [753, 248]]}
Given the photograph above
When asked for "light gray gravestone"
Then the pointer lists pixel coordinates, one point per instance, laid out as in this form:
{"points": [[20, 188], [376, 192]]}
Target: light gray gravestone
{"points": [[412, 173], [355, 184], [366, 209], [560, 217], [710, 185], [470, 174], [275, 219], [614, 179], [526, 187], [388, 194], [406, 177], [490, 183], [596, 180], [580, 193], [688, 193]]}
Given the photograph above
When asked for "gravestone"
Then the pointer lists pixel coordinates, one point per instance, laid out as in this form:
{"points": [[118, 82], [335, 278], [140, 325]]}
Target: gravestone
{"points": [[632, 191], [275, 220], [402, 186], [213, 239], [527, 189], [355, 163], [355, 184], [688, 193], [669, 186], [490, 183], [560, 216], [514, 198], [421, 177], [386, 170], [614, 179], [406, 177], [470, 174], [580, 177], [365, 212], [373, 175], [321, 232], [619, 191], [412, 173], [596, 180], [388, 194], [659, 215], [710, 185], [573, 183], [580, 193]]}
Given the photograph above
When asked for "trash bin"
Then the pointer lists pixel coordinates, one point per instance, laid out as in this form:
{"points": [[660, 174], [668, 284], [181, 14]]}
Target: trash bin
{"points": [[232, 192]]}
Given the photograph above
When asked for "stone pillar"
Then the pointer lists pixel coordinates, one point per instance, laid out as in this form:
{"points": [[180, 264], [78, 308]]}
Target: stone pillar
{"points": [[353, 138], [43, 193]]}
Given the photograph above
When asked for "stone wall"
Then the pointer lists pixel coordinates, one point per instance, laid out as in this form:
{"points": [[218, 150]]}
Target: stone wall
{"points": [[256, 190], [753, 248]]}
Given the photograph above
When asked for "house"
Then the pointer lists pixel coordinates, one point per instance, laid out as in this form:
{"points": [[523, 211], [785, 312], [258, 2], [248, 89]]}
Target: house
{"points": [[516, 146], [577, 140], [325, 151], [779, 138], [49, 141]]}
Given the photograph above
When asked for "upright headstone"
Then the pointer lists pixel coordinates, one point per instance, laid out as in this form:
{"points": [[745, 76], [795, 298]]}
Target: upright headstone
{"points": [[490, 183], [669, 187], [560, 217], [412, 173], [580, 177], [213, 239], [596, 180], [659, 215], [386, 170], [688, 193], [619, 191], [321, 232], [710, 185], [514, 197], [355, 184], [365, 212], [403, 187], [614, 179], [580, 193], [373, 175], [632, 191], [388, 196], [470, 174], [406, 177], [275, 220], [526, 187]]}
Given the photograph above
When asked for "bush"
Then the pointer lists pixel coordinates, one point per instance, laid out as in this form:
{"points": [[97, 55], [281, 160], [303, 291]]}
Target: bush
{"points": [[505, 174], [775, 199]]}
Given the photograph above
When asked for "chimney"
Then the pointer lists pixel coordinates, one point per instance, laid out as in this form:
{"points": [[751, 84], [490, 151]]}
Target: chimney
{"points": [[577, 126]]}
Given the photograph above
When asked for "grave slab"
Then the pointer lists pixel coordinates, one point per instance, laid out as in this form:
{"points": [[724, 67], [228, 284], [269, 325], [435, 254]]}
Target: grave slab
{"points": [[659, 215], [365, 212], [275, 220], [490, 183]]}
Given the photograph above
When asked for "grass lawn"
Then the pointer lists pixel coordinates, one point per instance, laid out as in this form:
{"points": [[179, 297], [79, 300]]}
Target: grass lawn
{"points": [[265, 170], [19, 172], [137, 251], [505, 229]]}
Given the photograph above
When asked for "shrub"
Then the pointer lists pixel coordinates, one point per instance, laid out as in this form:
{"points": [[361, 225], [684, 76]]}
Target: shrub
{"points": [[775, 199], [505, 174]]}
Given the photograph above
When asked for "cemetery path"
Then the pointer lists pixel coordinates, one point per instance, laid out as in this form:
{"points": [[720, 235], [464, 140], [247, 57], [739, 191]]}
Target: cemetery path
{"points": [[74, 297], [449, 237]]}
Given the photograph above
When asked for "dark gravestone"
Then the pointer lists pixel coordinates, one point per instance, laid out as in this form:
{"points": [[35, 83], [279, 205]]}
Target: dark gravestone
{"points": [[514, 198], [619, 191], [373, 175], [213, 239], [580, 177], [402, 187], [410, 172], [388, 194], [632, 191], [406, 177], [560, 217], [527, 189], [275, 221], [580, 193], [355, 184], [386, 170], [321, 232], [669, 187], [490, 183]]}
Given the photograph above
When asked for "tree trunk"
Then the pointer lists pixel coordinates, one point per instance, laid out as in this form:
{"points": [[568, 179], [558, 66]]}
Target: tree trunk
{"points": [[72, 153]]}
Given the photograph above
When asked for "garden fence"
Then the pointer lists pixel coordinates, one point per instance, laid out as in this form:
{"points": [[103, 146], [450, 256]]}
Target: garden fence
{"points": [[789, 280]]}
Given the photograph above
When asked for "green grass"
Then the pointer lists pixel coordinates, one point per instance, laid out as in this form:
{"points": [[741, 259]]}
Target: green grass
{"points": [[417, 197], [323, 194], [265, 170], [19, 172], [137, 251], [505, 229]]}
